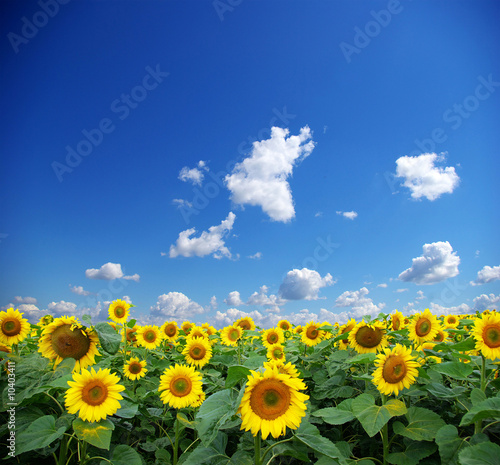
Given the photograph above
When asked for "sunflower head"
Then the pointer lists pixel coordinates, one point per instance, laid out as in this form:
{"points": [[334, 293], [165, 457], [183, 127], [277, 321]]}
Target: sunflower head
{"points": [[198, 351], [276, 352], [149, 336], [170, 330], [230, 335], [423, 327], [451, 321], [131, 334], [119, 311], [312, 334], [285, 325], [273, 336], [180, 386], [186, 327], [486, 332], [13, 327], [246, 323], [397, 321], [368, 337], [135, 368]]}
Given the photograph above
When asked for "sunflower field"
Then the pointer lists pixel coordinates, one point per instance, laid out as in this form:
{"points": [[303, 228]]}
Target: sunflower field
{"points": [[391, 390]]}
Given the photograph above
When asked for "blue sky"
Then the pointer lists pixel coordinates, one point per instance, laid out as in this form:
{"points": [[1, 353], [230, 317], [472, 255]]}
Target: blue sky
{"points": [[138, 159]]}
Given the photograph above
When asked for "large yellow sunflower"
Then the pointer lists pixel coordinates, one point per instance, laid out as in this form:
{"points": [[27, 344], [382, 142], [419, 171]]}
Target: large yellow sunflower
{"points": [[94, 395], [423, 327], [273, 336], [368, 337], [149, 336], [451, 321], [396, 370], [230, 335], [272, 402], [119, 311], [180, 386], [64, 338], [285, 325], [170, 331], [198, 331], [276, 352], [13, 327], [311, 334], [486, 331], [135, 368], [246, 323], [198, 351]]}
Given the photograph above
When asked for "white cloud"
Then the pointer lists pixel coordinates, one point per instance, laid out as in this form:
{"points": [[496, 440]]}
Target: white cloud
{"points": [[213, 302], [193, 175], [180, 203], [61, 308], [135, 277], [384, 285], [79, 290], [318, 214], [303, 284], [222, 319], [423, 178], [261, 178], [360, 303], [262, 299], [349, 215], [30, 311], [420, 295], [174, 306], [211, 242], [25, 300], [401, 290], [437, 263], [256, 256], [233, 299], [486, 302], [487, 275], [108, 272]]}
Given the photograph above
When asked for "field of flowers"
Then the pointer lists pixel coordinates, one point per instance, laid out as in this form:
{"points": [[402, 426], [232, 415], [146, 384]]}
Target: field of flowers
{"points": [[391, 390]]}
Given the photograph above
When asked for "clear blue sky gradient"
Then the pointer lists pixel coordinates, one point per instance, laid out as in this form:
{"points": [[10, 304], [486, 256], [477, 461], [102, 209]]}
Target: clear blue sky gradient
{"points": [[232, 69]]}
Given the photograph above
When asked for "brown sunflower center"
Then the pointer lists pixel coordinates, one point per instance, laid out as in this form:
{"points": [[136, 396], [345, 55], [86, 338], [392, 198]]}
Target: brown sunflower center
{"points": [[11, 327], [312, 332], [180, 386], [285, 326], [197, 352], [452, 320], [272, 338], [135, 368], [394, 369], [131, 335], [396, 323], [270, 399], [245, 325], [170, 330], [150, 336], [70, 343], [439, 337], [94, 393], [491, 336], [423, 327], [278, 353], [369, 337], [233, 334], [119, 312]]}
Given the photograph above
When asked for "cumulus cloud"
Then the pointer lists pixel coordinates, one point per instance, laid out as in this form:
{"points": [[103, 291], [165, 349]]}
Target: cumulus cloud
{"points": [[359, 302], [30, 311], [384, 285], [213, 302], [193, 175], [262, 299], [108, 272], [175, 306], [437, 263], [261, 178], [487, 275], [25, 300], [61, 308], [423, 178], [210, 242], [303, 284], [233, 299], [486, 302], [79, 290], [349, 215]]}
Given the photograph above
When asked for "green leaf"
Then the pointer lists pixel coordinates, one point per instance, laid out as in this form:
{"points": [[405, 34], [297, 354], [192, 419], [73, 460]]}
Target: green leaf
{"points": [[423, 424], [489, 408], [415, 452], [124, 455], [485, 453], [373, 417], [202, 454], [255, 361], [128, 409], [456, 370], [449, 444], [310, 436], [477, 396], [39, 434], [98, 433], [110, 340], [62, 382], [440, 391], [335, 415], [235, 374], [363, 358]]}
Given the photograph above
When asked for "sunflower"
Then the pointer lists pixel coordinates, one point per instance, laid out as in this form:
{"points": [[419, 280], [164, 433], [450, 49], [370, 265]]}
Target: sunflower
{"points": [[273, 336], [94, 395], [451, 321], [397, 321], [198, 351], [312, 335], [131, 335], [423, 327], [486, 331], [119, 311], [367, 338], [198, 331], [326, 334], [230, 335], [135, 369], [343, 344], [149, 336], [276, 352], [396, 370], [186, 327], [441, 336], [286, 368], [246, 323], [298, 329], [45, 320], [13, 327], [201, 399], [170, 330], [208, 328], [272, 402], [64, 338], [180, 386], [285, 325]]}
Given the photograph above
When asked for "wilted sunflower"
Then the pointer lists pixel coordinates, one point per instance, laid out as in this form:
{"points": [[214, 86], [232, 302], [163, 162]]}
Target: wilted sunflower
{"points": [[170, 330], [276, 352], [135, 368], [272, 402], [423, 327], [13, 327], [180, 386], [451, 321], [198, 351], [396, 370], [246, 323], [119, 311], [149, 336], [94, 395], [397, 321], [64, 338], [311, 334], [486, 331], [367, 338], [230, 335], [273, 336]]}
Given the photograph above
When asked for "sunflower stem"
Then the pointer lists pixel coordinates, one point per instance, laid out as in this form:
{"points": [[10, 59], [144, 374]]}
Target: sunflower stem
{"points": [[176, 445], [269, 448], [258, 459]]}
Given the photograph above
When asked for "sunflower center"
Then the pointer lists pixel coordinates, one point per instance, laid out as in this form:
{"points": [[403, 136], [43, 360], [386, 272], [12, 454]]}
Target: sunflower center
{"points": [[131, 335], [135, 368], [423, 327], [94, 393], [119, 312], [491, 336], [233, 335], [396, 324], [270, 399], [150, 336], [369, 337], [197, 352], [244, 325], [277, 353], [312, 332], [394, 369], [180, 386], [11, 327], [170, 330], [452, 320], [272, 338], [284, 326], [439, 337], [70, 343]]}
